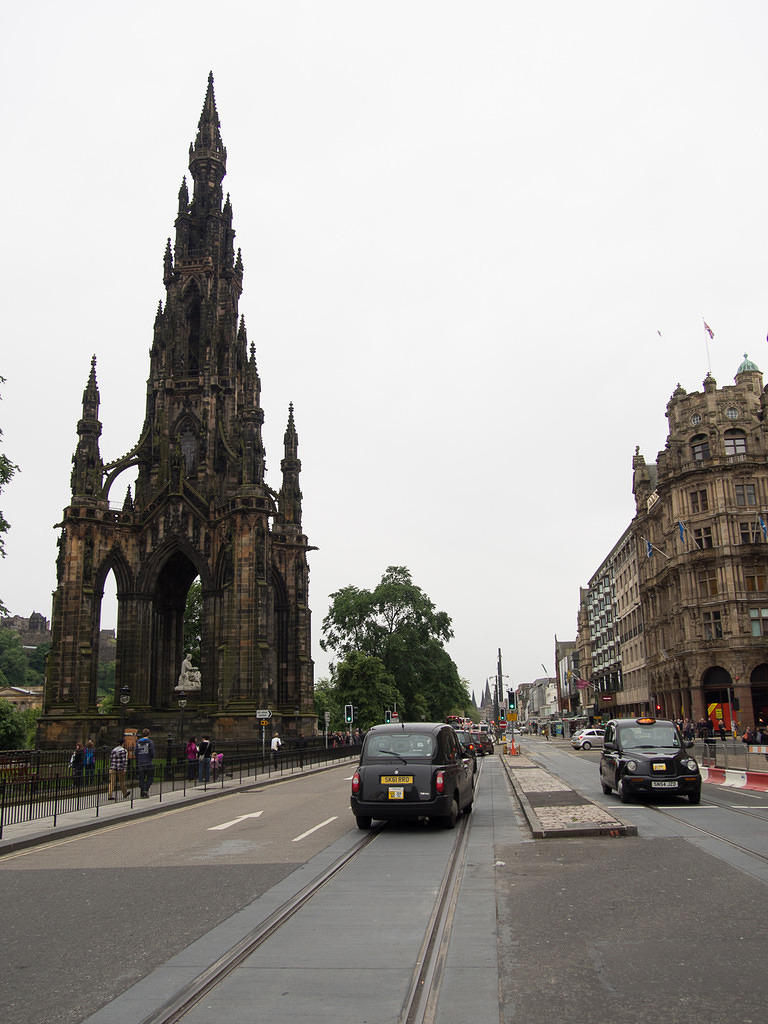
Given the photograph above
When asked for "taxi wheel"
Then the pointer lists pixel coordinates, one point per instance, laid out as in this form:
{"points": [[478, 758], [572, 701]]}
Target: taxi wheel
{"points": [[623, 792], [363, 822], [695, 798], [586, 746], [606, 789], [468, 808]]}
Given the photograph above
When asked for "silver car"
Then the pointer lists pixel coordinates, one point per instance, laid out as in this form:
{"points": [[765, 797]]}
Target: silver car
{"points": [[585, 739]]}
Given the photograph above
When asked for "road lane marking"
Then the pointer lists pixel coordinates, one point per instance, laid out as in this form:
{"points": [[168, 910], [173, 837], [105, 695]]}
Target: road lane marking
{"points": [[311, 830], [235, 821]]}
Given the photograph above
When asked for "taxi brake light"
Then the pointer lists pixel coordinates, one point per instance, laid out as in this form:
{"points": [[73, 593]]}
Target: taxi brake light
{"points": [[356, 783], [440, 782]]}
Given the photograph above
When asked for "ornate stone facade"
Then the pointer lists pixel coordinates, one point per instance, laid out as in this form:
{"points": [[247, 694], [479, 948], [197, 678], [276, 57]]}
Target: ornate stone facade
{"points": [[689, 578], [201, 508], [704, 586]]}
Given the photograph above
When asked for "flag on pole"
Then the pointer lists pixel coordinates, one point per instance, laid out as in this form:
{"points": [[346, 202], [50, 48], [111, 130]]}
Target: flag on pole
{"points": [[681, 528], [709, 330], [649, 549], [763, 527], [582, 684]]}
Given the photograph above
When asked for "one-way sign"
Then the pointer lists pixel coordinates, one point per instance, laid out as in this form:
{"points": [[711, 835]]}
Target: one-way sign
{"points": [[263, 713]]}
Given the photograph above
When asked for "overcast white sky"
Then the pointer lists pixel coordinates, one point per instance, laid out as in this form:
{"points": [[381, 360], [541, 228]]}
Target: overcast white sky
{"points": [[462, 226]]}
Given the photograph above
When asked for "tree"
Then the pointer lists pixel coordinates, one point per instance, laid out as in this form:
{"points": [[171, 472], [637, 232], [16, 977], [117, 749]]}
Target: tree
{"points": [[398, 624], [193, 614], [13, 727], [13, 659], [7, 469], [364, 682]]}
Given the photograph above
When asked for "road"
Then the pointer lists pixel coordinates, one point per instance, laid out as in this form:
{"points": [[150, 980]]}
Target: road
{"points": [[85, 917], [665, 925]]}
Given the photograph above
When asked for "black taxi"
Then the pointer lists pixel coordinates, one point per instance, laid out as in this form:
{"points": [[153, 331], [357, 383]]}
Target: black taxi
{"points": [[409, 771], [648, 756]]}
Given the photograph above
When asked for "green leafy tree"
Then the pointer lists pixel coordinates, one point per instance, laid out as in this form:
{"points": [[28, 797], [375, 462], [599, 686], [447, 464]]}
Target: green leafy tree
{"points": [[193, 615], [364, 682], [398, 624], [14, 727], [7, 469], [36, 664], [13, 659]]}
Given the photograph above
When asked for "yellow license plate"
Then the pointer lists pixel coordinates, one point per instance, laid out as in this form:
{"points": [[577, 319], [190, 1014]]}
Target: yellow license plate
{"points": [[396, 780], [396, 793], [659, 766]]}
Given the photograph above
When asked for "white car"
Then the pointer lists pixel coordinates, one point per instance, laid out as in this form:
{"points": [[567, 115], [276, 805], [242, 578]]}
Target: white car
{"points": [[585, 739]]}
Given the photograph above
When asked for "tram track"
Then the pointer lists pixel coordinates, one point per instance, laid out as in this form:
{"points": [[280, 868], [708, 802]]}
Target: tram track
{"points": [[667, 812], [420, 1002]]}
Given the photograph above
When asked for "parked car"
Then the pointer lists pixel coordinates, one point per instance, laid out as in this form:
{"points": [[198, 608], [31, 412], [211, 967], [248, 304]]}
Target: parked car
{"points": [[648, 755], [585, 739], [468, 745], [483, 743], [410, 771]]}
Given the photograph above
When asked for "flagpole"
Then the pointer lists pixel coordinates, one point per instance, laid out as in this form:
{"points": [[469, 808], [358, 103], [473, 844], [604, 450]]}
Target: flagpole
{"points": [[708, 336]]}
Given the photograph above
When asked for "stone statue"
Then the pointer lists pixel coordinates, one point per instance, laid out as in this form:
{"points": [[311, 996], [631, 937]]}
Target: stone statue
{"points": [[189, 677]]}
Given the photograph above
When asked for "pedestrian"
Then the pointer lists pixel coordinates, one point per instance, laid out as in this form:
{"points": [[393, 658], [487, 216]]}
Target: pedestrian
{"points": [[118, 762], [545, 732], [217, 765], [89, 761], [721, 730], [145, 755], [192, 757], [76, 764], [204, 754], [274, 746]]}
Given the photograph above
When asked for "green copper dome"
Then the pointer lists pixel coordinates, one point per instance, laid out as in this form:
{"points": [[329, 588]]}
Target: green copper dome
{"points": [[748, 366]]}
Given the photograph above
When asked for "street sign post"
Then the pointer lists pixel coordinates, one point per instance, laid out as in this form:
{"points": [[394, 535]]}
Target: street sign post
{"points": [[263, 713]]}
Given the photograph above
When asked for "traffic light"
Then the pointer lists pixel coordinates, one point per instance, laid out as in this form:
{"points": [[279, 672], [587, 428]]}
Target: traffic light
{"points": [[348, 713], [354, 714], [387, 717], [511, 699]]}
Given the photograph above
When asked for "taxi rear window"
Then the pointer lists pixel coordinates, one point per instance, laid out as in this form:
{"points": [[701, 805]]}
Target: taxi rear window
{"points": [[400, 744]]}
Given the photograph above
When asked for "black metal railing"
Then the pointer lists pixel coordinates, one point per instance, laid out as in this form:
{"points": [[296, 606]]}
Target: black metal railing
{"points": [[32, 789]]}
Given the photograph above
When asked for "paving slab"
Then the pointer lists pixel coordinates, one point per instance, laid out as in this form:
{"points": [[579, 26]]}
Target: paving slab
{"points": [[554, 809]]}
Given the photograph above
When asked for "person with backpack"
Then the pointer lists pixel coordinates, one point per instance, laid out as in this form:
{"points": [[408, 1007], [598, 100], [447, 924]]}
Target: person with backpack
{"points": [[145, 770]]}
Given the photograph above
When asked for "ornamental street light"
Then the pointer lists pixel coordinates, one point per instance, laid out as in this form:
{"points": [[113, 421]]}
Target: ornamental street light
{"points": [[125, 699]]}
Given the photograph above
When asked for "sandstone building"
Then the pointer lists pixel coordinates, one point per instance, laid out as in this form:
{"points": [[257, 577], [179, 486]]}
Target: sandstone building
{"points": [[687, 584], [201, 509]]}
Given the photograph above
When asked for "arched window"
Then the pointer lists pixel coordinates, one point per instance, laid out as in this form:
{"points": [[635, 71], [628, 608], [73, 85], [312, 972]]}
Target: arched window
{"points": [[735, 442], [700, 447]]}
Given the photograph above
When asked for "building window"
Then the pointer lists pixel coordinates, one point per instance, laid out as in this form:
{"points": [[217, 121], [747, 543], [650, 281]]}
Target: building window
{"points": [[755, 581], [713, 626], [735, 442], [759, 621], [745, 494], [750, 533], [699, 502], [700, 448], [708, 583], [732, 412], [703, 537]]}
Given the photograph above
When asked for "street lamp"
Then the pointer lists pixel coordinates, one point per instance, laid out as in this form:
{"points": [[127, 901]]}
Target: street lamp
{"points": [[125, 698]]}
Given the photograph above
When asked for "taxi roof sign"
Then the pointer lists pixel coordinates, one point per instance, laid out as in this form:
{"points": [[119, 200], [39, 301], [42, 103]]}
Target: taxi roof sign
{"points": [[645, 721]]}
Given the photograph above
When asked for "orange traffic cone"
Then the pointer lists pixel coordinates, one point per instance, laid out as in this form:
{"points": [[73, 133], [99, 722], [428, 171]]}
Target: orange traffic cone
{"points": [[512, 748]]}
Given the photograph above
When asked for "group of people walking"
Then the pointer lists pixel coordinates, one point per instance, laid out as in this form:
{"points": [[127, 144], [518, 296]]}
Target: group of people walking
{"points": [[202, 760]]}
